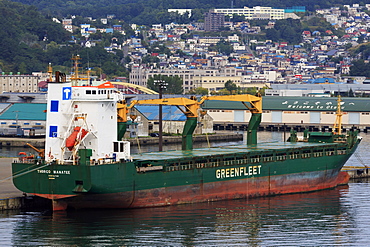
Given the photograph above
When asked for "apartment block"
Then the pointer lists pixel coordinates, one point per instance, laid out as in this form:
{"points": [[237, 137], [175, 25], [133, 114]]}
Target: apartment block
{"points": [[213, 21], [139, 75], [256, 12]]}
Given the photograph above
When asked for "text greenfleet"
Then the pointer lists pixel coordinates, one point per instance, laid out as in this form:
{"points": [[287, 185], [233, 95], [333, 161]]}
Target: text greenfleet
{"points": [[238, 172]]}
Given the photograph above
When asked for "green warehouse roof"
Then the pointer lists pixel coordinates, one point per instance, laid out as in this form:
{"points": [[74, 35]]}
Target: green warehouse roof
{"points": [[35, 111], [296, 104], [25, 112]]}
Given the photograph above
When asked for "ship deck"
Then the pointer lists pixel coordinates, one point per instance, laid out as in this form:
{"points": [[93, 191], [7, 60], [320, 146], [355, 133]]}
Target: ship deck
{"points": [[225, 150]]}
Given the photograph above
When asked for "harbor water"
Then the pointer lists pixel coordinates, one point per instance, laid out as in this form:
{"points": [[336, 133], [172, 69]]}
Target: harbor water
{"points": [[337, 217]]}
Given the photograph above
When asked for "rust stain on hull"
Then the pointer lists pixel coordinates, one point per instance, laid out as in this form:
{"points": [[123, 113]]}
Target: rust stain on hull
{"points": [[215, 191]]}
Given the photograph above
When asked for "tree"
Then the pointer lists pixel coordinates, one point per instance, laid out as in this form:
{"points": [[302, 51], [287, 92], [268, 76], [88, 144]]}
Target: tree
{"points": [[231, 87], [199, 91], [347, 46], [361, 39], [170, 84], [286, 29], [351, 93], [262, 90], [223, 47], [223, 91], [272, 34], [22, 68], [360, 68], [127, 59], [238, 18], [175, 85], [251, 90], [148, 59]]}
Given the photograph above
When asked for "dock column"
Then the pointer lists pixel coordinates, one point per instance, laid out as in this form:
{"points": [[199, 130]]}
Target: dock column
{"points": [[187, 134], [253, 125]]}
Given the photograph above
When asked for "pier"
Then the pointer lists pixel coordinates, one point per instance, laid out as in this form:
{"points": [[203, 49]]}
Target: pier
{"points": [[357, 171], [11, 197]]}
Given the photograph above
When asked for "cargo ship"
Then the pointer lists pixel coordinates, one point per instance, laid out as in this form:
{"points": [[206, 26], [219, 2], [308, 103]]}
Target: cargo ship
{"points": [[87, 164]]}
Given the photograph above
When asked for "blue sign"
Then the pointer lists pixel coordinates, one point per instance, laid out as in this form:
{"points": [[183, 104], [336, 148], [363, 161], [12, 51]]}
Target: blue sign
{"points": [[67, 93]]}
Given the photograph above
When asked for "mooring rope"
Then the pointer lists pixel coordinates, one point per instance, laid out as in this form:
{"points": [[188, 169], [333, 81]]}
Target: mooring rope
{"points": [[357, 155], [25, 169], [24, 173]]}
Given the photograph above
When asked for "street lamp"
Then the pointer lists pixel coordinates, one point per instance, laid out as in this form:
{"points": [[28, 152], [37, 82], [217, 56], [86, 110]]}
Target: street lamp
{"points": [[161, 84]]}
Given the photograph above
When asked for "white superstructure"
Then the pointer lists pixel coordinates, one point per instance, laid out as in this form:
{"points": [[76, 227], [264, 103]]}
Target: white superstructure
{"points": [[91, 113]]}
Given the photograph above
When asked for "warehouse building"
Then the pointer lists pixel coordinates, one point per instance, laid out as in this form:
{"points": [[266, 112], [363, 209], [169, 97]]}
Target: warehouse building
{"points": [[16, 112], [295, 110]]}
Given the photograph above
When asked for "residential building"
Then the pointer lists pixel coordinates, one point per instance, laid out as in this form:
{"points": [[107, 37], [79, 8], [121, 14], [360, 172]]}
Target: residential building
{"points": [[256, 12], [213, 21], [216, 83], [139, 75], [210, 40], [67, 24]]}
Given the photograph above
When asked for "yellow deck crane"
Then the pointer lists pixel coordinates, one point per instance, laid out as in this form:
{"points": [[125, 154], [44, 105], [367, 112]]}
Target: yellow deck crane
{"points": [[190, 109]]}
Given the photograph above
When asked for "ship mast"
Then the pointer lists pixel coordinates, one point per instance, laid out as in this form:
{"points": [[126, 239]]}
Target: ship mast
{"points": [[75, 76], [337, 128], [50, 72]]}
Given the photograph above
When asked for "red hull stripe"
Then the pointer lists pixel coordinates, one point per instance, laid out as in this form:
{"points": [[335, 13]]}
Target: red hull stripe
{"points": [[53, 196], [216, 191]]}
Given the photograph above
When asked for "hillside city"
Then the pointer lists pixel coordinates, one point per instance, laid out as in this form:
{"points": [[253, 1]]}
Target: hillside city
{"points": [[208, 62]]}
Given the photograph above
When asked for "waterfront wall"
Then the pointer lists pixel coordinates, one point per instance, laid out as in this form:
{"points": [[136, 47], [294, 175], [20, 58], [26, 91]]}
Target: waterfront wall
{"points": [[26, 202], [21, 142]]}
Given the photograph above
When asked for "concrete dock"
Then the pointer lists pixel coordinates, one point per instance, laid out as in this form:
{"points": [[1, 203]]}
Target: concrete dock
{"points": [[10, 196], [357, 171]]}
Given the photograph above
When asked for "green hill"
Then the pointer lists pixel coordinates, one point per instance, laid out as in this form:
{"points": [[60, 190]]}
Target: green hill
{"points": [[25, 33], [154, 11], [31, 40]]}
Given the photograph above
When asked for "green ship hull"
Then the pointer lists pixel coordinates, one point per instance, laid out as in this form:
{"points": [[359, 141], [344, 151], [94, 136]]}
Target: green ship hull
{"points": [[200, 175]]}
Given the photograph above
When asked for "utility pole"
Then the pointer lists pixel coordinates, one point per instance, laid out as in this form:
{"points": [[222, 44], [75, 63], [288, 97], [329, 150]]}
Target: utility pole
{"points": [[161, 85], [160, 137], [16, 117]]}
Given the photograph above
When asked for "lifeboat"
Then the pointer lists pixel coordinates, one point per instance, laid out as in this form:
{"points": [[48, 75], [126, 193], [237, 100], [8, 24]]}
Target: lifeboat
{"points": [[23, 156], [77, 135]]}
